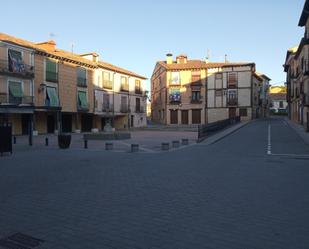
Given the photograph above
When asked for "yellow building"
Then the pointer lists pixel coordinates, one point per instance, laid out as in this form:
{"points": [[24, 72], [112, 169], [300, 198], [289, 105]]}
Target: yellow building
{"points": [[192, 92]]}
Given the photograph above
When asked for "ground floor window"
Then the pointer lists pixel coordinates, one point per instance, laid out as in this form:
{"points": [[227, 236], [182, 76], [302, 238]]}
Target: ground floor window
{"points": [[174, 116], [243, 112], [196, 116]]}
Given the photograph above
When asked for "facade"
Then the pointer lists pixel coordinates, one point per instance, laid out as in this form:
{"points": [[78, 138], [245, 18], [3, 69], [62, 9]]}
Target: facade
{"points": [[278, 105], [47, 90], [297, 68], [192, 92]]}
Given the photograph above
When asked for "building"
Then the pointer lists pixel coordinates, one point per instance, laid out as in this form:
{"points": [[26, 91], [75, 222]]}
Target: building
{"points": [[278, 104], [297, 68], [192, 92], [47, 90]]}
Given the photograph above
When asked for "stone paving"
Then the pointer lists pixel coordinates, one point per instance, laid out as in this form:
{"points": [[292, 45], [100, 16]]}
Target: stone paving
{"points": [[230, 194]]}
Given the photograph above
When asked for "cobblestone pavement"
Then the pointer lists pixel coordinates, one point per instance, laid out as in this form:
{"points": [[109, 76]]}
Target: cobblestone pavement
{"points": [[227, 195]]}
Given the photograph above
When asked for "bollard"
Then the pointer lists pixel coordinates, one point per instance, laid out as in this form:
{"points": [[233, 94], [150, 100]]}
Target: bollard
{"points": [[134, 148], [14, 140], [46, 141], [175, 144], [86, 144], [165, 146], [109, 146], [184, 141]]}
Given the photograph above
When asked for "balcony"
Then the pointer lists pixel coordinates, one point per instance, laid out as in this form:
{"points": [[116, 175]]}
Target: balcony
{"points": [[81, 82], [124, 109], [138, 91], [139, 109], [83, 108], [175, 83], [196, 101], [124, 88], [232, 102], [7, 99], [107, 108], [20, 70], [108, 84]]}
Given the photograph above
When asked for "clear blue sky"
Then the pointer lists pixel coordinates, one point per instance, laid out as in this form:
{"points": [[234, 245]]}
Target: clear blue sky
{"points": [[135, 34]]}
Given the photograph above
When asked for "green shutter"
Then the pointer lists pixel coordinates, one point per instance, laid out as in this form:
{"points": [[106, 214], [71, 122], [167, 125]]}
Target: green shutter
{"points": [[15, 55], [81, 76], [82, 99], [53, 96], [51, 71], [15, 89]]}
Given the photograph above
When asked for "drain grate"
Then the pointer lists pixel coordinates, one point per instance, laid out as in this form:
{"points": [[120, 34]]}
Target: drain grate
{"points": [[20, 241]]}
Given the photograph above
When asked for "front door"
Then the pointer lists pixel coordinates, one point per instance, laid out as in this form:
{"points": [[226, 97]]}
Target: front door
{"points": [[132, 121], [185, 117], [232, 112], [25, 121], [174, 117], [50, 124]]}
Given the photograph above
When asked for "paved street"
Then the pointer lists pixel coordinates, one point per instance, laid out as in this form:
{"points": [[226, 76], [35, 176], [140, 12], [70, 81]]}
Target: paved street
{"points": [[227, 195]]}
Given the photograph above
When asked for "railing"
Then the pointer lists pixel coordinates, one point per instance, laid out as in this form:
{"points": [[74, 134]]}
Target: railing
{"points": [[51, 76], [124, 88], [124, 109], [19, 70], [83, 108], [205, 130], [11, 100], [232, 102], [107, 108], [81, 82], [138, 91], [107, 84], [48, 104], [174, 83], [140, 109]]}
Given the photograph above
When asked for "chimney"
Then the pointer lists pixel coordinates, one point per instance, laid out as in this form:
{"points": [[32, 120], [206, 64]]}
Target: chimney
{"points": [[207, 60], [50, 45], [169, 58], [94, 57], [182, 59]]}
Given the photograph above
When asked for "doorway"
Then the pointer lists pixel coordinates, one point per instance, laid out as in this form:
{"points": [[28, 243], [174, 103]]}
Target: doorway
{"points": [[50, 124], [132, 121], [25, 121], [185, 117], [86, 122], [67, 123], [232, 112]]}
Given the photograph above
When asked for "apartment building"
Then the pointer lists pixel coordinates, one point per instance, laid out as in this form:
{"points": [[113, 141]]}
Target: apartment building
{"points": [[192, 92], [47, 90], [297, 69]]}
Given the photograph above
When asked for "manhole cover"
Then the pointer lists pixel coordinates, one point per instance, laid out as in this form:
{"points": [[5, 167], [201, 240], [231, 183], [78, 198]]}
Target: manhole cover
{"points": [[20, 241]]}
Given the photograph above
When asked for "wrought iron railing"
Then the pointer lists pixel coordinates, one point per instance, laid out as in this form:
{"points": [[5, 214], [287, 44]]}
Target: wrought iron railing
{"points": [[17, 69], [9, 99]]}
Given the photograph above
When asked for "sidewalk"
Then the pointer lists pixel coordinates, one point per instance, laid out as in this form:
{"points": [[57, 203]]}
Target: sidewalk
{"points": [[224, 133], [299, 129]]}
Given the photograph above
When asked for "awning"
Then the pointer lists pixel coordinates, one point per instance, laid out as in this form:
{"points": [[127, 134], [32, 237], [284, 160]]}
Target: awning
{"points": [[82, 97], [15, 89], [53, 96]]}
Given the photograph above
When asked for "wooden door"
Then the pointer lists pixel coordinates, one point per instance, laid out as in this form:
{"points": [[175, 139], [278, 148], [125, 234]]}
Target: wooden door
{"points": [[174, 117], [232, 112], [185, 117], [196, 116]]}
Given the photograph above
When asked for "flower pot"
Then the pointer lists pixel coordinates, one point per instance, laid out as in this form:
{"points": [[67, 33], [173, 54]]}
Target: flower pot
{"points": [[64, 141]]}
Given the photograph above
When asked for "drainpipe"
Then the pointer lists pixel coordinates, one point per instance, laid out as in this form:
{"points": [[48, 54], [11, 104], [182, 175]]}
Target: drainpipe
{"points": [[129, 110], [113, 118]]}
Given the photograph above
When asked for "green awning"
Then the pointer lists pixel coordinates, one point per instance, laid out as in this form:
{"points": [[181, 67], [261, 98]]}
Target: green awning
{"points": [[82, 97], [15, 89], [53, 96]]}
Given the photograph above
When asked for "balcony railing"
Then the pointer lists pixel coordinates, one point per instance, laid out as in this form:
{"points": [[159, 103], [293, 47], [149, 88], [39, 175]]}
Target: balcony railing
{"points": [[20, 70], [138, 91], [11, 100], [232, 102], [174, 83], [83, 108], [81, 82], [107, 84], [107, 108], [139, 109], [124, 109], [124, 88]]}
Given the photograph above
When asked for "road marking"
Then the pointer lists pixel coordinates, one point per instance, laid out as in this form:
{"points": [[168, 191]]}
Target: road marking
{"points": [[297, 156], [269, 141]]}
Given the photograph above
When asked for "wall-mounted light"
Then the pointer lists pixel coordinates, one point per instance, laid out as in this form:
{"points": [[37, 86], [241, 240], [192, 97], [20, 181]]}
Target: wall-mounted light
{"points": [[42, 87]]}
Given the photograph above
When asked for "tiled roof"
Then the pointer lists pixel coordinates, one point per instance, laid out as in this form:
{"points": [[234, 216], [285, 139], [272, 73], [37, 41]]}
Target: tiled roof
{"points": [[199, 64], [52, 50], [112, 67], [277, 96]]}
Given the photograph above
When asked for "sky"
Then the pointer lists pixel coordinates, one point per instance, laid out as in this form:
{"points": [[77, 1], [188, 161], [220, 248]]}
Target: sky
{"points": [[134, 34]]}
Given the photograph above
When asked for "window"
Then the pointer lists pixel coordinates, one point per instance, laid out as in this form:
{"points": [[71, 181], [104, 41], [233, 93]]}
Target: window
{"points": [[15, 92], [16, 64], [81, 77], [196, 96], [196, 77], [196, 116], [124, 84], [219, 76], [232, 97], [107, 82], [51, 71], [138, 105], [138, 89], [175, 95], [124, 104], [106, 106], [175, 79], [219, 93], [243, 112], [281, 104], [82, 100], [51, 97], [232, 79]]}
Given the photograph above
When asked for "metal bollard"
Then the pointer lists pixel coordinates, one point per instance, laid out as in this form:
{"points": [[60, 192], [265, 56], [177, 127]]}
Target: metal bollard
{"points": [[86, 144], [46, 141], [175, 144], [109, 146], [14, 140], [165, 146], [134, 147], [184, 141]]}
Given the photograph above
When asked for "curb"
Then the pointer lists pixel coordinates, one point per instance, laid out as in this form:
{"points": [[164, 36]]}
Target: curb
{"points": [[288, 122]]}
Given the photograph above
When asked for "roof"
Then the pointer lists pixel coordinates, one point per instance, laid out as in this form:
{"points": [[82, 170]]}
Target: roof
{"points": [[263, 76], [277, 96], [112, 67], [50, 49], [277, 89], [291, 51], [304, 15], [258, 76], [199, 64]]}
